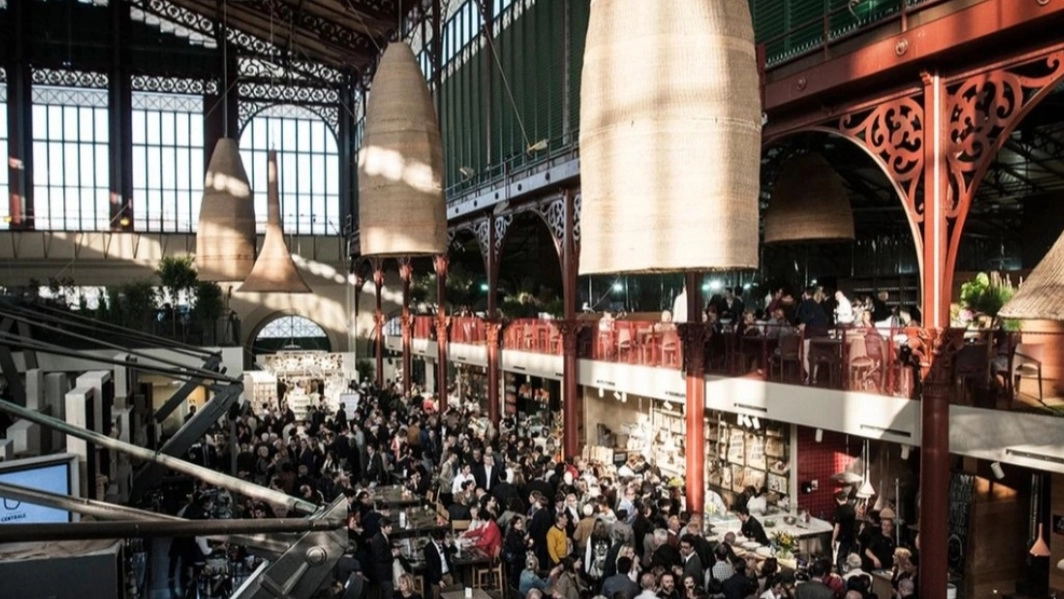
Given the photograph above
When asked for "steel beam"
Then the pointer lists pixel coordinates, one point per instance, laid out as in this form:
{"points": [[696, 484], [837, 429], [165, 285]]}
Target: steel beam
{"points": [[984, 22], [302, 569], [217, 479], [151, 474], [8, 367], [273, 545], [213, 364], [122, 529]]}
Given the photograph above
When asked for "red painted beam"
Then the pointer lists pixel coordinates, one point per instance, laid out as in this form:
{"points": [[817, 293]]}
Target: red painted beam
{"points": [[948, 34]]}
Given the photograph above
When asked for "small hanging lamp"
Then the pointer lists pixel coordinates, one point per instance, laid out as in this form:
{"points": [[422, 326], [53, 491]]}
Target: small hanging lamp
{"points": [[675, 153], [225, 238], [809, 203], [401, 204], [274, 270]]}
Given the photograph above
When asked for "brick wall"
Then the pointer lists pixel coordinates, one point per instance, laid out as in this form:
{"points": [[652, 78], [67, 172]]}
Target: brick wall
{"points": [[819, 461]]}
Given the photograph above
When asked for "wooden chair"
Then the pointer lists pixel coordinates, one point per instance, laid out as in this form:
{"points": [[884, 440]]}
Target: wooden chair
{"points": [[490, 576], [460, 526], [789, 353], [1025, 361]]}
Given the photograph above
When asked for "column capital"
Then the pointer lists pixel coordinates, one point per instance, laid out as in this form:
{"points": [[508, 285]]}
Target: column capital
{"points": [[693, 336], [406, 269], [493, 331]]}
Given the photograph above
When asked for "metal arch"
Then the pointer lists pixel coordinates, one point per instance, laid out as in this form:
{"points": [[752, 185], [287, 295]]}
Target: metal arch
{"points": [[979, 130], [906, 169], [256, 107]]}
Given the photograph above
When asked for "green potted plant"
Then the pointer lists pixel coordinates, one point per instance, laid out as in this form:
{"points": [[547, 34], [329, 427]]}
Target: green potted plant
{"points": [[982, 299], [208, 309], [177, 278]]}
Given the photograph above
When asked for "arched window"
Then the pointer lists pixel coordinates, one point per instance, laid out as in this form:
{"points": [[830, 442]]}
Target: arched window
{"points": [[71, 170], [309, 168], [168, 161], [291, 333]]}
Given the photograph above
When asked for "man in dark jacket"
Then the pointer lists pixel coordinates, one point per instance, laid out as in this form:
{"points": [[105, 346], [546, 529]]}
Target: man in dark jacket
{"points": [[438, 568], [739, 585], [381, 557]]}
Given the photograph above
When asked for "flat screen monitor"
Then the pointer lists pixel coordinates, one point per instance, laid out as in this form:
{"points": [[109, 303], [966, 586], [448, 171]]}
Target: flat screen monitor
{"points": [[55, 473]]}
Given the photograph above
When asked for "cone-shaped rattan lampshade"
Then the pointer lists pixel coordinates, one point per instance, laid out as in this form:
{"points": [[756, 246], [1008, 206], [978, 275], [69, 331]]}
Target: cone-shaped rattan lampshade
{"points": [[670, 137], [274, 271], [225, 239], [401, 204], [1041, 296], [809, 203]]}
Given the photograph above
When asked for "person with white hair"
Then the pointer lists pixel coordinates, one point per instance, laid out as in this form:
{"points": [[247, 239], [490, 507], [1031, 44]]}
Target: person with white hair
{"points": [[852, 567]]}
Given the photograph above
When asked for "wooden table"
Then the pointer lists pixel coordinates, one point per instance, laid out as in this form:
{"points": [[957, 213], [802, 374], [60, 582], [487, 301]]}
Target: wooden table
{"points": [[394, 496], [477, 594]]}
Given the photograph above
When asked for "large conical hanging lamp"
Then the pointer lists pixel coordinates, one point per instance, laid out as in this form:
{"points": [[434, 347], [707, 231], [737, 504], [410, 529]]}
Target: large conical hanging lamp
{"points": [[274, 271], [401, 204], [225, 238], [809, 203], [673, 154]]}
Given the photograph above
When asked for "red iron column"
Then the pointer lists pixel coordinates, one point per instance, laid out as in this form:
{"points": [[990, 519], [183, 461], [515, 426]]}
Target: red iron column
{"points": [[378, 319], [694, 334], [570, 331], [441, 262], [935, 462], [493, 329], [406, 272]]}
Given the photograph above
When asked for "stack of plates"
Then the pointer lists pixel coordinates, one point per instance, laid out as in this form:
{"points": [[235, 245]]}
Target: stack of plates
{"points": [[751, 545]]}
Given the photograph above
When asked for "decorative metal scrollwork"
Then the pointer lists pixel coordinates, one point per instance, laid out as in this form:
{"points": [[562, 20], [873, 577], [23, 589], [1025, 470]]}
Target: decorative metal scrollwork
{"points": [[179, 15], [981, 108], [553, 214], [482, 230], [576, 218], [894, 133], [501, 224], [173, 85], [249, 108], [70, 78]]}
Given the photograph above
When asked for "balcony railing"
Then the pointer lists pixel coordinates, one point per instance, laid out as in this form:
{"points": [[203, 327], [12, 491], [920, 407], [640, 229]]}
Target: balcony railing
{"points": [[469, 330], [833, 26], [641, 342], [533, 335], [994, 368], [425, 327]]}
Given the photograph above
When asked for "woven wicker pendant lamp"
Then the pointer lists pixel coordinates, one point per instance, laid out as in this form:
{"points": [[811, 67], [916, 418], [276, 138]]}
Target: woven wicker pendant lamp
{"points": [[401, 204], [809, 203], [274, 271], [670, 137], [225, 239]]}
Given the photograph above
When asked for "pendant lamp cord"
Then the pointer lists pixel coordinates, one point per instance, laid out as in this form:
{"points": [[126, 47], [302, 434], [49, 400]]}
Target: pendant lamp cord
{"points": [[225, 65], [505, 81]]}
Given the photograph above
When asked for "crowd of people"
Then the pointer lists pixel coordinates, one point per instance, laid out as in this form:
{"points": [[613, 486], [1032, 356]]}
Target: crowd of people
{"points": [[563, 529]]}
